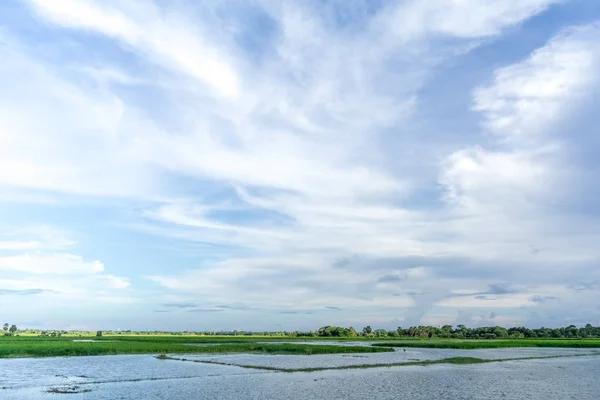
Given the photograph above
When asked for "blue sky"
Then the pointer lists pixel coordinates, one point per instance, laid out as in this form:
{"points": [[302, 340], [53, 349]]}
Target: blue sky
{"points": [[276, 165]]}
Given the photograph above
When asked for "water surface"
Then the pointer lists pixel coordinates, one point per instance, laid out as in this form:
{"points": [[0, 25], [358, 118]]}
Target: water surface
{"points": [[131, 377]]}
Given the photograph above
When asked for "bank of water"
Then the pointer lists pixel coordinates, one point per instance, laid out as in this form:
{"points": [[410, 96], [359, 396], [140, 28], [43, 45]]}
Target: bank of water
{"points": [[143, 376]]}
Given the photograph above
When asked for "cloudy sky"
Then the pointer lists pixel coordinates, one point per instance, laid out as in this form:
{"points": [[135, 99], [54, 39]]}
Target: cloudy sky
{"points": [[274, 164]]}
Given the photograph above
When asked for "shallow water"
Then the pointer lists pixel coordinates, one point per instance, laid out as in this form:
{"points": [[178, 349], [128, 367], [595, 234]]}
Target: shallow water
{"points": [[131, 377], [398, 356]]}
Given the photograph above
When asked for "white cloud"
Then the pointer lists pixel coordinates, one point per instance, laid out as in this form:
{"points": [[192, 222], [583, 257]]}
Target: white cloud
{"points": [[34, 267], [513, 300], [40, 237], [79, 145], [505, 194], [59, 263], [263, 145], [493, 199], [318, 135], [461, 18], [14, 245], [168, 39], [526, 98], [114, 282]]}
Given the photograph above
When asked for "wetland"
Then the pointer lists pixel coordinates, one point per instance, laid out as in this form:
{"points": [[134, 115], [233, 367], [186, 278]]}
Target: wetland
{"points": [[277, 369]]}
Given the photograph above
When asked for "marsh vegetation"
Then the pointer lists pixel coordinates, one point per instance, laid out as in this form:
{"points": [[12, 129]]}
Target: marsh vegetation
{"points": [[47, 347]]}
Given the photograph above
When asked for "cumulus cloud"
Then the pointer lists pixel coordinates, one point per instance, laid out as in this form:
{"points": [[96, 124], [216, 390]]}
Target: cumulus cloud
{"points": [[527, 97], [507, 191]]}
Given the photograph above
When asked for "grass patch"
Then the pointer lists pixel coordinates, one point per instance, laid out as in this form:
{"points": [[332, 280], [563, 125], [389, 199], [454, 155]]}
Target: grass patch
{"points": [[495, 344], [30, 346], [41, 347]]}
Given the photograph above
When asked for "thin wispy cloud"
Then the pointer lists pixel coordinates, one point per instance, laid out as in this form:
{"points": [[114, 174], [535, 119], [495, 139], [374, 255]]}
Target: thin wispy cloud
{"points": [[398, 162]]}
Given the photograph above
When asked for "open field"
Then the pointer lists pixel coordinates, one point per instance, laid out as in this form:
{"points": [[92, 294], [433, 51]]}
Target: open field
{"points": [[59, 347], [30, 346]]}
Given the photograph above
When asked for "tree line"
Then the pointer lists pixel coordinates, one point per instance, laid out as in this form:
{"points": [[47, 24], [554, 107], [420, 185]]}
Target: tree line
{"points": [[9, 330], [421, 331]]}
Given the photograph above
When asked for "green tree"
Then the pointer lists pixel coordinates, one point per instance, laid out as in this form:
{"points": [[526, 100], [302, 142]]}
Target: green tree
{"points": [[380, 333], [5, 328], [587, 331], [500, 332], [367, 330], [99, 333], [13, 329], [461, 330]]}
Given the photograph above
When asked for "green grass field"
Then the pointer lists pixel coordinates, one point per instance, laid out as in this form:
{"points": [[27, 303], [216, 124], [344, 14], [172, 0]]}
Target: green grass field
{"points": [[59, 347], [31, 346]]}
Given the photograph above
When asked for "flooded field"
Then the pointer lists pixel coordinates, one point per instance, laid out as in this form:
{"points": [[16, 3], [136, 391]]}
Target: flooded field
{"points": [[399, 356], [144, 376]]}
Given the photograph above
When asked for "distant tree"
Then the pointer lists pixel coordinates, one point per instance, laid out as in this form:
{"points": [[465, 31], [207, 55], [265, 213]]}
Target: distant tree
{"points": [[445, 331], [461, 330], [367, 330], [99, 333], [336, 331], [380, 333], [500, 332], [13, 329], [5, 327]]}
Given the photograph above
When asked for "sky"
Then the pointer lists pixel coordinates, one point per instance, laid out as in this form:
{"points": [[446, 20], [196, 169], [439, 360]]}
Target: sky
{"points": [[282, 165]]}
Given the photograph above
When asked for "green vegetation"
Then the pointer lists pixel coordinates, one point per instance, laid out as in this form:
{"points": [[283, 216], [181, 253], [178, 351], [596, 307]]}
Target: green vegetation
{"points": [[45, 347], [460, 332], [493, 344], [29, 346], [414, 332], [9, 331]]}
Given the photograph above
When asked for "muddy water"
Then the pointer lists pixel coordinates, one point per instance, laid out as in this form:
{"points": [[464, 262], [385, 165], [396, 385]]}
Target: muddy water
{"points": [[144, 377]]}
